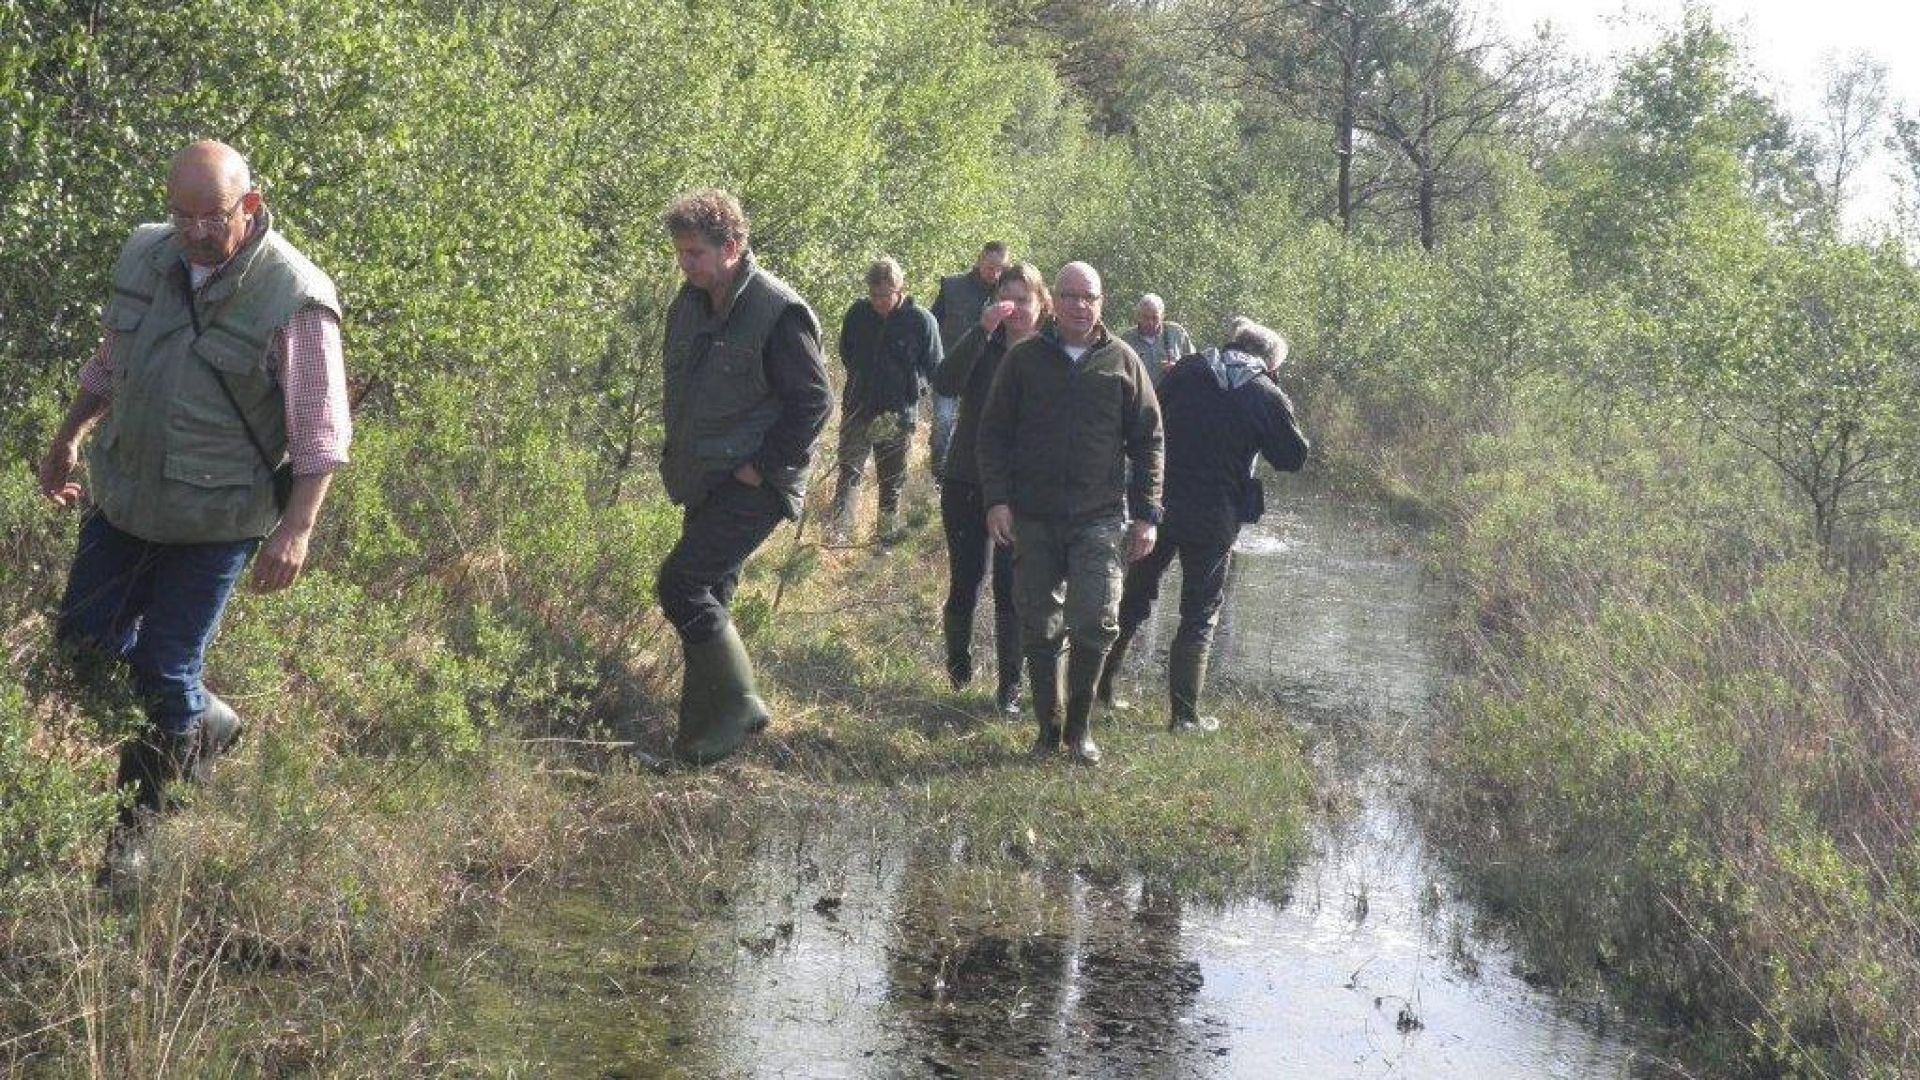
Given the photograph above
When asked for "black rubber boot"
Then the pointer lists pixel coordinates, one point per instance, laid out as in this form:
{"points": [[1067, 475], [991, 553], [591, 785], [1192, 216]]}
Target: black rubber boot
{"points": [[959, 633], [1006, 647], [719, 708], [149, 764], [1115, 657], [1083, 677], [1006, 697], [1043, 674], [1186, 674]]}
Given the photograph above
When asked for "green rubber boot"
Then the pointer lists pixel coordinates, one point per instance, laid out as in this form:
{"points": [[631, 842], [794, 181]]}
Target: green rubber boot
{"points": [[1083, 677], [1186, 674], [719, 709], [1115, 657]]}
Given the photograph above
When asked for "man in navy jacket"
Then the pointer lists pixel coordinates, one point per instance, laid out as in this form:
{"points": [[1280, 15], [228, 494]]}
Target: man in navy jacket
{"points": [[890, 346]]}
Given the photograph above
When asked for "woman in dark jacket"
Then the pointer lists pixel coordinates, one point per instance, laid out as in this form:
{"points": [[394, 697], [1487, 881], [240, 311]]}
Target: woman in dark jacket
{"points": [[1220, 409], [1021, 304]]}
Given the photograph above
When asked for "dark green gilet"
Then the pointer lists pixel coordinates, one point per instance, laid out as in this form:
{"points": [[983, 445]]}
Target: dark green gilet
{"points": [[172, 462], [719, 405]]}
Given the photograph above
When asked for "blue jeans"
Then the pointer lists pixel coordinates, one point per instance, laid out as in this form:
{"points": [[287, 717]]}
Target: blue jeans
{"points": [[154, 606]]}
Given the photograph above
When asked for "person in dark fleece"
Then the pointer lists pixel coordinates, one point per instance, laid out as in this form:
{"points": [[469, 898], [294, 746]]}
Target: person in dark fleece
{"points": [[1021, 304], [1069, 452], [890, 347], [1220, 408]]}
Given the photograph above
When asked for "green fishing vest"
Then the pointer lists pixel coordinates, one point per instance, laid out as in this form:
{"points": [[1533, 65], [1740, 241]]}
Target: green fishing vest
{"points": [[718, 403], [172, 462]]}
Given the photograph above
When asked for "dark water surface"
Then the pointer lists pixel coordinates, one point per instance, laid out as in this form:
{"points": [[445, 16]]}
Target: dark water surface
{"points": [[850, 946]]}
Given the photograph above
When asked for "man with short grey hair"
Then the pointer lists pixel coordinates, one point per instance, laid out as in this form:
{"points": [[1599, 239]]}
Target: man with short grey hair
{"points": [[1222, 408], [891, 347], [1159, 343], [1069, 453]]}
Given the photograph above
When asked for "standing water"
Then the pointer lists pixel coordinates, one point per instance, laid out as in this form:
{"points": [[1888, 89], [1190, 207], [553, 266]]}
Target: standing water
{"points": [[851, 946]]}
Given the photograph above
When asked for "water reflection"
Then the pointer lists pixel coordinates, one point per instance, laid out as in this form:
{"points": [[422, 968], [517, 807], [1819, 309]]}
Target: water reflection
{"points": [[854, 945]]}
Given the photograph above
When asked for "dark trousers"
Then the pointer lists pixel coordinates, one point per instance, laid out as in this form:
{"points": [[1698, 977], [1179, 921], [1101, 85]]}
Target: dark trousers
{"points": [[969, 551], [886, 437], [154, 606], [698, 577], [1203, 585]]}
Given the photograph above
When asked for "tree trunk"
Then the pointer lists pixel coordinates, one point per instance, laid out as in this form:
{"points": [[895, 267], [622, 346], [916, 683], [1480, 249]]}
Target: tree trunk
{"points": [[1426, 204], [1343, 127]]}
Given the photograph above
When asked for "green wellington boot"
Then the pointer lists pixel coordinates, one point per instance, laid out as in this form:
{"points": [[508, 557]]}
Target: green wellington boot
{"points": [[1115, 657], [1044, 674], [1083, 677], [719, 709], [1186, 674]]}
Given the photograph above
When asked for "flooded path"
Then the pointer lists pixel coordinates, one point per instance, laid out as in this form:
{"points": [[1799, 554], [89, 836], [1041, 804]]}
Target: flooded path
{"points": [[851, 946]]}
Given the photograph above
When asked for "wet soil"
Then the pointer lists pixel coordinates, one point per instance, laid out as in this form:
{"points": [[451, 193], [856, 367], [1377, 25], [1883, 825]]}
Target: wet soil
{"points": [[850, 941]]}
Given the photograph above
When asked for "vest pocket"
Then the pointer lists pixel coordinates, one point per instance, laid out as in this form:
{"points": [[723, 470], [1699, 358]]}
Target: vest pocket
{"points": [[232, 354], [208, 470], [123, 313], [729, 450]]}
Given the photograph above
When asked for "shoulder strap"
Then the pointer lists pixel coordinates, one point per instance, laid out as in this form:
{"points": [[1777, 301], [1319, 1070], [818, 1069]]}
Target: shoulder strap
{"points": [[193, 311]]}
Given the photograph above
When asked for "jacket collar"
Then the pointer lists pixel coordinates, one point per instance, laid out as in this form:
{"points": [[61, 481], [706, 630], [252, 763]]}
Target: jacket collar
{"points": [[1233, 369], [1051, 334], [748, 267], [170, 255]]}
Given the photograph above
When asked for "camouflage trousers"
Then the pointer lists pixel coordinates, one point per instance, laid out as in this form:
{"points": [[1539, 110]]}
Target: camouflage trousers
{"points": [[1066, 583]]}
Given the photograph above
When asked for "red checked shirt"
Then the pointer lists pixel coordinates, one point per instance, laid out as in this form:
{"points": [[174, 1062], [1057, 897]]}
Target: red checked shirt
{"points": [[313, 376]]}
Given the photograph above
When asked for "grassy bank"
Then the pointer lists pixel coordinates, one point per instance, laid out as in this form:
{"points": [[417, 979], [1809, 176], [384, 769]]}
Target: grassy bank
{"points": [[416, 764], [1683, 763]]}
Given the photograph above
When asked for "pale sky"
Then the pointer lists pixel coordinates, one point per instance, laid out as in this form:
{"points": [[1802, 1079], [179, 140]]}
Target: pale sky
{"points": [[1788, 42]]}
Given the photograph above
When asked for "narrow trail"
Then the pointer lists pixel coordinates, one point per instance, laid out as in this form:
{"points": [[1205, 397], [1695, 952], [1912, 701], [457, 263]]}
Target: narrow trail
{"points": [[843, 953]]}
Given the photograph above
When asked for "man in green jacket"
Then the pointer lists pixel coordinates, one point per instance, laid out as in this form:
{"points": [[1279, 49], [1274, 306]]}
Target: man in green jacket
{"points": [[745, 396], [1159, 343], [1070, 470]]}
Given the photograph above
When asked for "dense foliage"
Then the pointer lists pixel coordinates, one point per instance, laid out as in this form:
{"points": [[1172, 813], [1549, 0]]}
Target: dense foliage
{"points": [[1665, 411]]}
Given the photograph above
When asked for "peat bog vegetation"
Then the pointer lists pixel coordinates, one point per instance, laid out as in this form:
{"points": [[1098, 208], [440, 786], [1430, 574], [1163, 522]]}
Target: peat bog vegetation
{"points": [[297, 911], [1601, 329]]}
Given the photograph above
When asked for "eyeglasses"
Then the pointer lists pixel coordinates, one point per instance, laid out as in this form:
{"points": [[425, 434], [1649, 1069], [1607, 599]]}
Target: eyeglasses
{"points": [[1088, 299], [187, 222]]}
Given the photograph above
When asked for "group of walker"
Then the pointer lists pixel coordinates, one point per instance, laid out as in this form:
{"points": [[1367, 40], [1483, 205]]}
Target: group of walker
{"points": [[219, 392], [1076, 464]]}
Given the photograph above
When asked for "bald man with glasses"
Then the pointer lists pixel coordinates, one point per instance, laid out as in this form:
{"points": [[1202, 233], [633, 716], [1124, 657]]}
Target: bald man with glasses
{"points": [[219, 397], [1069, 449]]}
